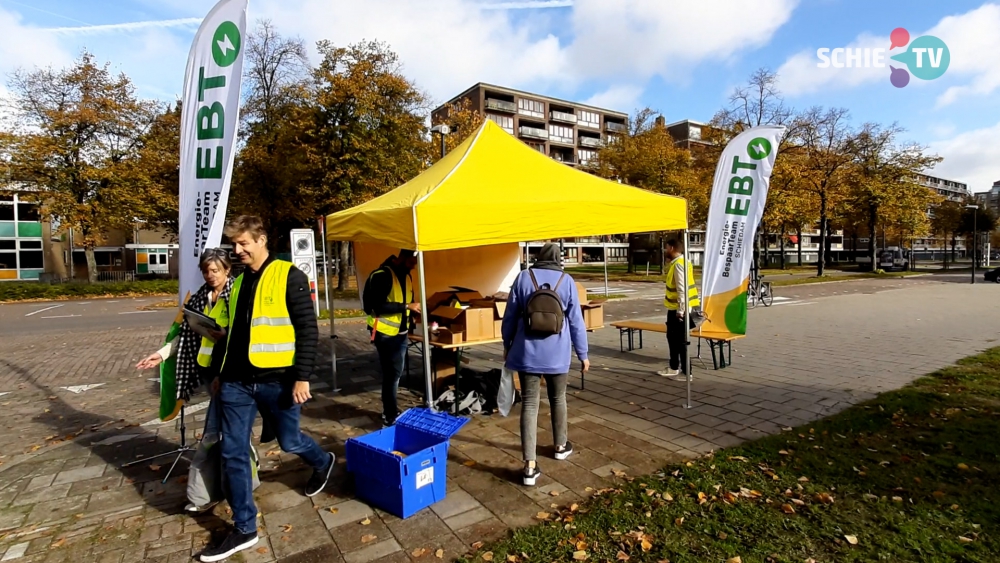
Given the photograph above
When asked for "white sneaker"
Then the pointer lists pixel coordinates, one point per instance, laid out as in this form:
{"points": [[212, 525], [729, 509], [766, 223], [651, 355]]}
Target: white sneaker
{"points": [[669, 373], [530, 476]]}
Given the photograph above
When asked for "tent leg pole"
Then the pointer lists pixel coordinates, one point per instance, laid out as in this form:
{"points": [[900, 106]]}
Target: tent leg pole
{"points": [[606, 293], [425, 330], [687, 320], [330, 304]]}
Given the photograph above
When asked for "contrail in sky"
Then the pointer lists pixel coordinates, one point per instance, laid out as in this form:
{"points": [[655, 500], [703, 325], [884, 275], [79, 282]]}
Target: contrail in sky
{"points": [[129, 26]]}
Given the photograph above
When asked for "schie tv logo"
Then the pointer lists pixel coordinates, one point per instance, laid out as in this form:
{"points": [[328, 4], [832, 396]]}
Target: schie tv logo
{"points": [[926, 58]]}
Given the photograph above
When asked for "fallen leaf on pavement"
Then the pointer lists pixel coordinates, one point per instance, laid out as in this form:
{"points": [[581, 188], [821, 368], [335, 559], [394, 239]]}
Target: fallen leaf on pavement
{"points": [[368, 538], [334, 510], [477, 545], [469, 463], [262, 550], [285, 538], [554, 493], [58, 543], [154, 467], [419, 552], [853, 540], [618, 472], [439, 554], [541, 516], [286, 528], [574, 507], [580, 555], [488, 556], [366, 521]]}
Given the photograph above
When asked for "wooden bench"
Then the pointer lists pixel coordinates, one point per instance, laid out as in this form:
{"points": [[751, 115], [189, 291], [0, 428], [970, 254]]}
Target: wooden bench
{"points": [[630, 328], [722, 341]]}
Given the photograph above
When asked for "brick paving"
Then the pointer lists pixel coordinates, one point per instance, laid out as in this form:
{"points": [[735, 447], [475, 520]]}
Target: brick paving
{"points": [[64, 495]]}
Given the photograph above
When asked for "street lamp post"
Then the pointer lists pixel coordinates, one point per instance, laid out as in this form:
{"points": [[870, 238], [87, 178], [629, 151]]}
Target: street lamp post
{"points": [[442, 130], [975, 238]]}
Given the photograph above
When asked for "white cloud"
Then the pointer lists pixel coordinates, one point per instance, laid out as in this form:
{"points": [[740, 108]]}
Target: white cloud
{"points": [[973, 41], [645, 38], [801, 75], [128, 26], [972, 157], [622, 98], [25, 46]]}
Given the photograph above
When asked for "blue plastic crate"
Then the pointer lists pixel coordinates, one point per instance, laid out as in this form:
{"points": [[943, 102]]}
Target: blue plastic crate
{"points": [[404, 485]]}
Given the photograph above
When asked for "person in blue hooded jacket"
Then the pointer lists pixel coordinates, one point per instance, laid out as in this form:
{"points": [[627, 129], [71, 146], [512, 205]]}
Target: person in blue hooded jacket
{"points": [[535, 357]]}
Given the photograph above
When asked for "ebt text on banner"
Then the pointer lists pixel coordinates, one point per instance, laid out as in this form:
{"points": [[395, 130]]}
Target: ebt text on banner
{"points": [[739, 193]]}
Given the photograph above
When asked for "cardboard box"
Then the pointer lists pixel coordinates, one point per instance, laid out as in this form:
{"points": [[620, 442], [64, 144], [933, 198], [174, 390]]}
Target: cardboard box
{"points": [[581, 293], [498, 328], [446, 336], [475, 322], [460, 296], [593, 315], [498, 306]]}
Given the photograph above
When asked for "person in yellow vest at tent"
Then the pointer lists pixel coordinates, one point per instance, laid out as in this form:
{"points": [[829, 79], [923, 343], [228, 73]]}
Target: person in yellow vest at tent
{"points": [[266, 363], [674, 301], [388, 300]]}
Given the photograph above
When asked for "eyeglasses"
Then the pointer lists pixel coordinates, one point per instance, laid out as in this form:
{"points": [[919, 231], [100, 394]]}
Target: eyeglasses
{"points": [[221, 252]]}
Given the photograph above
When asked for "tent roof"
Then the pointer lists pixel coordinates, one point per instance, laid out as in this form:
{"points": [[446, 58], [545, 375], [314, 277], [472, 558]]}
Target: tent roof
{"points": [[494, 189]]}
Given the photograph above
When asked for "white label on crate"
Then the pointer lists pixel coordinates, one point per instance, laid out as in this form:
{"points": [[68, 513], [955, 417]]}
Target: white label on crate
{"points": [[425, 477]]}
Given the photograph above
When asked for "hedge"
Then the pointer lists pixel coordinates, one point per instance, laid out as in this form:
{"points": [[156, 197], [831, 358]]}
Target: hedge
{"points": [[28, 291]]}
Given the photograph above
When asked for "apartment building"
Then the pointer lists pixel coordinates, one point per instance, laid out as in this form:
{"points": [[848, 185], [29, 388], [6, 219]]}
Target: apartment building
{"points": [[990, 199], [32, 248], [569, 132], [688, 134], [949, 189]]}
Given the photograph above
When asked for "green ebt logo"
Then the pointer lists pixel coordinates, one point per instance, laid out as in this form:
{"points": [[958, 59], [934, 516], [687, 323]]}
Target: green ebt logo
{"points": [[926, 57]]}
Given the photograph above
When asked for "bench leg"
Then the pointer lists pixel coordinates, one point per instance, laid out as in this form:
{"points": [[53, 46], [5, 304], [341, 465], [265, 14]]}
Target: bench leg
{"points": [[711, 346], [640, 339], [621, 340], [722, 355]]}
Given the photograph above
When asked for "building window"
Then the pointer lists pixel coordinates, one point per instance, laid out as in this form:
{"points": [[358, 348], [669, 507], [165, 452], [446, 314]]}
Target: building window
{"points": [[589, 119], [694, 132], [586, 156], [561, 134], [504, 121], [531, 108], [28, 212], [537, 146]]}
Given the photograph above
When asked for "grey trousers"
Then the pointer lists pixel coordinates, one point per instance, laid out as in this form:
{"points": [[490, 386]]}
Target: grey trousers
{"points": [[530, 396]]}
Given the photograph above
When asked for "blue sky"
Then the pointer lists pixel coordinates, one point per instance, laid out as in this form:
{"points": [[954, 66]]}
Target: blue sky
{"points": [[681, 58]]}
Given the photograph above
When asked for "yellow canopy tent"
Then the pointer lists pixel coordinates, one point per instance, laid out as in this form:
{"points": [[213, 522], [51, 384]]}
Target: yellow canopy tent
{"points": [[494, 189]]}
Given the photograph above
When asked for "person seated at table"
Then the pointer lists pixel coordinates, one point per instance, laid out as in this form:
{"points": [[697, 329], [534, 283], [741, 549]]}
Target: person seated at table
{"points": [[537, 337], [388, 301]]}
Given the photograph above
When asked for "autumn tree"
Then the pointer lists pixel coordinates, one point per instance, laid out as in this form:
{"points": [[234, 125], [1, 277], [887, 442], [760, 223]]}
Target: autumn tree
{"points": [[462, 121], [368, 134], [79, 131], [156, 170], [822, 137], [790, 206], [976, 221], [881, 180], [946, 223]]}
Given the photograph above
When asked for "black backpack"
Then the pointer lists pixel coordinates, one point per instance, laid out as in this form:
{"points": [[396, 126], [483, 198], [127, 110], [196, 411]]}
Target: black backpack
{"points": [[544, 314]]}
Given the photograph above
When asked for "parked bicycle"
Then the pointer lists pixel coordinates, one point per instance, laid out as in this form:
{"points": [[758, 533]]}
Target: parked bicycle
{"points": [[759, 291]]}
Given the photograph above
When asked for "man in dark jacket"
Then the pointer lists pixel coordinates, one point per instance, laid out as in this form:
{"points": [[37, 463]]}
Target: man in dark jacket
{"points": [[266, 363], [388, 300]]}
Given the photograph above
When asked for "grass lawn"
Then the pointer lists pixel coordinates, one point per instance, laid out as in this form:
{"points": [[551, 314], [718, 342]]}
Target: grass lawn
{"points": [[909, 476], [36, 291]]}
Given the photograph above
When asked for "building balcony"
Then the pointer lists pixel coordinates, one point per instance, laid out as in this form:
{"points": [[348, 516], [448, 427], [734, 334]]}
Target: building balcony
{"points": [[533, 132], [501, 105], [561, 140], [615, 127], [592, 142], [562, 117], [563, 158]]}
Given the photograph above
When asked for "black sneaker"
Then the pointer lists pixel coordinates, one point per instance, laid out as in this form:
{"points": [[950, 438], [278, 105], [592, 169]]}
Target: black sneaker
{"points": [[530, 476], [565, 451], [234, 542], [319, 478]]}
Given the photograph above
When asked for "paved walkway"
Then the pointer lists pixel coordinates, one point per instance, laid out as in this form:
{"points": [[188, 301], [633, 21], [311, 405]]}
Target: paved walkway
{"points": [[64, 497]]}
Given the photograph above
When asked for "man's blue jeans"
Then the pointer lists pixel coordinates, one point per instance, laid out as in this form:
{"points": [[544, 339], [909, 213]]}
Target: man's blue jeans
{"points": [[240, 403]]}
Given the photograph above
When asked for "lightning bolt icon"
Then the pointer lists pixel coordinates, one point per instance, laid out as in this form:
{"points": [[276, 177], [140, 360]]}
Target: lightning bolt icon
{"points": [[225, 45], [758, 146]]}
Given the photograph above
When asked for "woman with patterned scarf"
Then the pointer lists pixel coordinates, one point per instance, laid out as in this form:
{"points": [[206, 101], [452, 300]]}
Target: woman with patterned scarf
{"points": [[192, 356]]}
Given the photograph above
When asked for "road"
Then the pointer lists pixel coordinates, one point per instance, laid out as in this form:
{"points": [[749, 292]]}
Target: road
{"points": [[130, 314]]}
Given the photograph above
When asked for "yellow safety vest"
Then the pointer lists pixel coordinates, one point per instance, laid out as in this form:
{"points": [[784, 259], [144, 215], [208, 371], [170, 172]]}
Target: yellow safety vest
{"points": [[272, 336], [390, 325], [220, 312], [672, 302]]}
